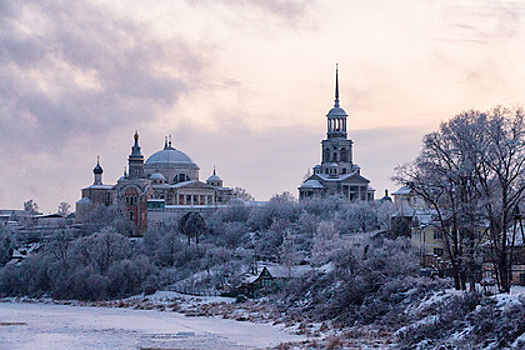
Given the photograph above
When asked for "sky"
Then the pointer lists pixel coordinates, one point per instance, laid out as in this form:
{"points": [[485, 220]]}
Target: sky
{"points": [[240, 85]]}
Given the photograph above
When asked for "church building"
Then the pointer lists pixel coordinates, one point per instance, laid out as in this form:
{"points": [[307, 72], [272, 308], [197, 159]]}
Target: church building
{"points": [[167, 181], [337, 174]]}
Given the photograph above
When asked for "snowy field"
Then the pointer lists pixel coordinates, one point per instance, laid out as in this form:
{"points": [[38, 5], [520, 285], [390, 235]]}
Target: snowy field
{"points": [[57, 327]]}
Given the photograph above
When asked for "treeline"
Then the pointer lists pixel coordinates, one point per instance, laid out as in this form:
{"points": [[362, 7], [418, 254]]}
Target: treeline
{"points": [[195, 250]]}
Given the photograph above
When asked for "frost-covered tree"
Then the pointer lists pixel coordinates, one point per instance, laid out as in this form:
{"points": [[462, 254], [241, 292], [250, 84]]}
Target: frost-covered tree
{"points": [[326, 241], [471, 171], [192, 224]]}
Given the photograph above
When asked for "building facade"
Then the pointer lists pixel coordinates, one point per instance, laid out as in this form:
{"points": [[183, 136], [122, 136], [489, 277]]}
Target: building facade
{"points": [[337, 174]]}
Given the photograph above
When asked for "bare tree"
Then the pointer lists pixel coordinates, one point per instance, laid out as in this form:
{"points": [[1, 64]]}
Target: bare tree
{"points": [[471, 171], [31, 207], [64, 209], [502, 182], [444, 176], [242, 194]]}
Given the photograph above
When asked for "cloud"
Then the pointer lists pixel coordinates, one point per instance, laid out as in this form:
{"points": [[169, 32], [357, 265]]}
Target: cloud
{"points": [[76, 68]]}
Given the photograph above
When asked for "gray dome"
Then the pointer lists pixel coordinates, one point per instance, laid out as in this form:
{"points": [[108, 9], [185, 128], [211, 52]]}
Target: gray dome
{"points": [[337, 112], [214, 178], [158, 177], [169, 156]]}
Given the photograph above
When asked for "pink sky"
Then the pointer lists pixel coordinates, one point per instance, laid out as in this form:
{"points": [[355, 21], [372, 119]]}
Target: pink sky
{"points": [[242, 85]]}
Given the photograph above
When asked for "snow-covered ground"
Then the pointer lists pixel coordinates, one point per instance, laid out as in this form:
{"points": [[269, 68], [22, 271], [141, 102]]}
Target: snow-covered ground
{"points": [[48, 326]]}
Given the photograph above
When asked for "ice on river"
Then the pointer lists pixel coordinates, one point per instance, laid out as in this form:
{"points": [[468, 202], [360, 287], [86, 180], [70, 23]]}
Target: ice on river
{"points": [[43, 326]]}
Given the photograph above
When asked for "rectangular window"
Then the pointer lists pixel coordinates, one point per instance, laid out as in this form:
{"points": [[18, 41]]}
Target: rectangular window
{"points": [[437, 235], [438, 251]]}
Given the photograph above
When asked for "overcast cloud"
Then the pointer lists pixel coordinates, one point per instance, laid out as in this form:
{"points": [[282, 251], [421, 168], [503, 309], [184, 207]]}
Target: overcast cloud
{"points": [[242, 85]]}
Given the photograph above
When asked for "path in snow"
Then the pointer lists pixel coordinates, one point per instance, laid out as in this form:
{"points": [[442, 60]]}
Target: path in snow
{"points": [[41, 326]]}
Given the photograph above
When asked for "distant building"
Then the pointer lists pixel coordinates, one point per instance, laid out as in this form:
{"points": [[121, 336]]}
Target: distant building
{"points": [[337, 174], [167, 181]]}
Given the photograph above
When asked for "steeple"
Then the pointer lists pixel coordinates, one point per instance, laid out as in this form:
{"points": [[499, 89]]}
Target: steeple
{"points": [[336, 102], [336, 123]]}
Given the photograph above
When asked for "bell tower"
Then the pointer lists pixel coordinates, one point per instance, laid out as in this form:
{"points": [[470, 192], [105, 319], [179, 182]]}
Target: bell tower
{"points": [[337, 157], [136, 160]]}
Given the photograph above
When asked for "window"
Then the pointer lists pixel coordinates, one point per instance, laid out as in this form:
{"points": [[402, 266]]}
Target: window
{"points": [[343, 155], [438, 251], [437, 235], [344, 170], [131, 215]]}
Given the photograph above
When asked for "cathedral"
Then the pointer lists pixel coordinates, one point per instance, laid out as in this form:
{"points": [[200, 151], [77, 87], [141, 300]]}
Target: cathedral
{"points": [[167, 181], [337, 174]]}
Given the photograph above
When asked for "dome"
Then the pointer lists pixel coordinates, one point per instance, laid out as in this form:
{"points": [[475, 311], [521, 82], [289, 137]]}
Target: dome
{"points": [[337, 112], [98, 169], [169, 156], [214, 178], [157, 177]]}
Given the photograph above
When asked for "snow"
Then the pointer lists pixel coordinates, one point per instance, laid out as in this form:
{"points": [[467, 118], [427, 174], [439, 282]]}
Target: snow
{"points": [[45, 326]]}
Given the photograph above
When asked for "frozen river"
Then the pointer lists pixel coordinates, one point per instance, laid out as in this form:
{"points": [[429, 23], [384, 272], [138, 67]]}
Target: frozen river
{"points": [[57, 327]]}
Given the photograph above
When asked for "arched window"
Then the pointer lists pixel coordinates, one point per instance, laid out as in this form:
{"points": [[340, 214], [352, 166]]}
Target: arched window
{"points": [[343, 155], [181, 178], [131, 215], [326, 156], [335, 157]]}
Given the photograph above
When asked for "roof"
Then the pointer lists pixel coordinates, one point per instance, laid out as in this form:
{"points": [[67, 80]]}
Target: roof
{"points": [[169, 156], [403, 190], [311, 184], [214, 178], [337, 112], [351, 176], [157, 176], [277, 271], [99, 187]]}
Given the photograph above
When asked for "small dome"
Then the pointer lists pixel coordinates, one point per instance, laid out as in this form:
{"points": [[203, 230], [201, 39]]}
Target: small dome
{"points": [[317, 166], [334, 165], [98, 169], [214, 178], [157, 177], [337, 112]]}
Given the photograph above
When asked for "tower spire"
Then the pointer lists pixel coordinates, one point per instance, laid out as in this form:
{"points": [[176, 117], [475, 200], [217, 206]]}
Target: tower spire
{"points": [[165, 142], [336, 104]]}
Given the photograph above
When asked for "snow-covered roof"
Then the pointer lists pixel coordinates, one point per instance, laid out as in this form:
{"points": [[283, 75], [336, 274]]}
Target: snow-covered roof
{"points": [[99, 187], [403, 191], [191, 182], [356, 176], [158, 177], [84, 200], [311, 184]]}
